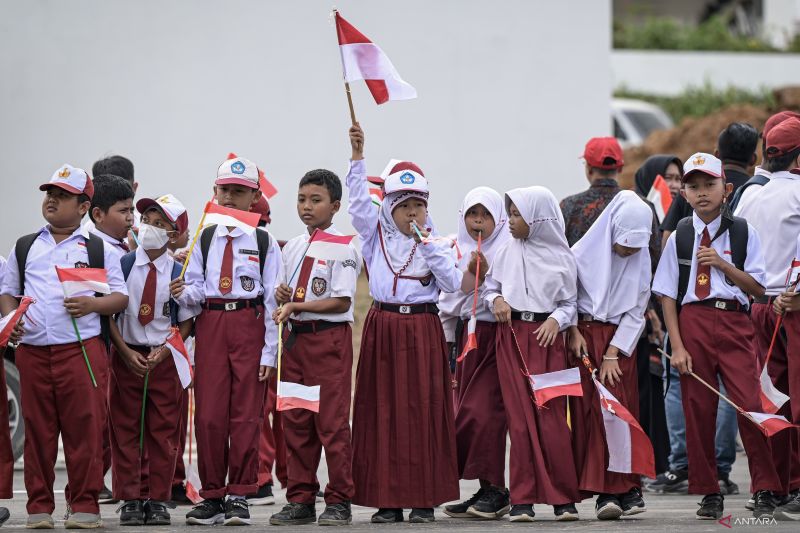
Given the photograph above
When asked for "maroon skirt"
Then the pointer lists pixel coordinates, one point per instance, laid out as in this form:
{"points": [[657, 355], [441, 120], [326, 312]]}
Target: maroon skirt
{"points": [[480, 416], [588, 431], [404, 446]]}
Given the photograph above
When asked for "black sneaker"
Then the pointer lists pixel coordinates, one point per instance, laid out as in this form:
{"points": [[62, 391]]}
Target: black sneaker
{"points": [[156, 514], [459, 510], [5, 514], [387, 516], [207, 513], [711, 507], [788, 511], [294, 514], [607, 507], [566, 512], [632, 502], [492, 505], [421, 515], [237, 512], [726, 486], [106, 496], [179, 496], [672, 482], [336, 514], [764, 504], [521, 513], [131, 513], [263, 496]]}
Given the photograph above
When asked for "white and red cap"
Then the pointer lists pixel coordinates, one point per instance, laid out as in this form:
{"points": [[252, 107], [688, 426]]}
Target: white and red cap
{"points": [[702, 162], [71, 179], [238, 171], [405, 176], [172, 208]]}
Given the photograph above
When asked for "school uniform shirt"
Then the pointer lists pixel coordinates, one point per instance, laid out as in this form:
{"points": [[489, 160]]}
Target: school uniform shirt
{"points": [[750, 193], [327, 279], [47, 322], [775, 214], [157, 330], [665, 282], [248, 282], [386, 250], [3, 267], [119, 247]]}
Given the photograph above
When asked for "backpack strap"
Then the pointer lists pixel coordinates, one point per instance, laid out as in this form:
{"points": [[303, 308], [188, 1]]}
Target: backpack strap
{"points": [[21, 250], [205, 243], [684, 245], [126, 262], [173, 305], [96, 250], [758, 179], [263, 241]]}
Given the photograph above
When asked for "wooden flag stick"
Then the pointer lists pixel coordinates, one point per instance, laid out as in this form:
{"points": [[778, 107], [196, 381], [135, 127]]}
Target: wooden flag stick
{"points": [[280, 353], [477, 277], [194, 241], [350, 103], [144, 405]]}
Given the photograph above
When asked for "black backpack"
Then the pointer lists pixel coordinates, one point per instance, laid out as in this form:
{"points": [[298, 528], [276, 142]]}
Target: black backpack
{"points": [[758, 179], [684, 243], [94, 247], [127, 261]]}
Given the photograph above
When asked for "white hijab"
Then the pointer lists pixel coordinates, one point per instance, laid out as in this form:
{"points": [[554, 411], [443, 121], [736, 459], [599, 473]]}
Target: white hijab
{"points": [[538, 272], [398, 246], [614, 283]]}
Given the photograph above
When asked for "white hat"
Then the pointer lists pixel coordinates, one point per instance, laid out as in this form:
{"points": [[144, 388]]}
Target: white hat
{"points": [[702, 162], [71, 179], [239, 171], [405, 176], [172, 208]]}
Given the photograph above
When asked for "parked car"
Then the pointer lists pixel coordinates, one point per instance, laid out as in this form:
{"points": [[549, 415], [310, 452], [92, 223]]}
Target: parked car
{"points": [[634, 120], [16, 424]]}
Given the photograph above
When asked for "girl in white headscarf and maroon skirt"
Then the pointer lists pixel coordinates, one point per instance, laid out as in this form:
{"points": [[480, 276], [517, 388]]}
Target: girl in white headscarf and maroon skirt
{"points": [[613, 289], [531, 287], [404, 450]]}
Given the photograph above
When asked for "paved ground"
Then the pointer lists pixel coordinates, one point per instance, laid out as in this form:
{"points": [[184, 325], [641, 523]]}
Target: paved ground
{"points": [[665, 513]]}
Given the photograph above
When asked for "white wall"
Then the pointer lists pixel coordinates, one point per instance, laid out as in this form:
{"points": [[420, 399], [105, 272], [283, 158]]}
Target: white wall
{"points": [[507, 98], [670, 72]]}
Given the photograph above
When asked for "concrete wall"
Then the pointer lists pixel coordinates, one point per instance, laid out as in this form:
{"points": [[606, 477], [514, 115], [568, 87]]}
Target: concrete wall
{"points": [[508, 96]]}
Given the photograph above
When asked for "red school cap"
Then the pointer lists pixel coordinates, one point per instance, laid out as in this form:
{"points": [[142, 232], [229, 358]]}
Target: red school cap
{"points": [[603, 152]]}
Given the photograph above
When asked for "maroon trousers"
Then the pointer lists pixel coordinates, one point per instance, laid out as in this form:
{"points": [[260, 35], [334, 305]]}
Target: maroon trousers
{"points": [[230, 400], [323, 358], [6, 451], [271, 444], [180, 469], [588, 432], [161, 417], [541, 465], [721, 343], [404, 441], [480, 415], [58, 397], [786, 444]]}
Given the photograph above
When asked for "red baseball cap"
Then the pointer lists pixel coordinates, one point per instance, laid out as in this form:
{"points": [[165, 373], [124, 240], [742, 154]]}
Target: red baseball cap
{"points": [[603, 152], [71, 179], [377, 180], [262, 208], [776, 119], [783, 138]]}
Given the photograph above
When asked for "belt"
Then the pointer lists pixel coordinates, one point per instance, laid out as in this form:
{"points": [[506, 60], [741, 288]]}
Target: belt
{"points": [[313, 326], [219, 304], [527, 316], [724, 305], [765, 299], [140, 347], [413, 309], [584, 317]]}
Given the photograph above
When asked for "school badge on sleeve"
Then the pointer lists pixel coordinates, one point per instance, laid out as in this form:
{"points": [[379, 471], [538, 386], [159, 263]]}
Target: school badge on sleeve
{"points": [[248, 283], [318, 286]]}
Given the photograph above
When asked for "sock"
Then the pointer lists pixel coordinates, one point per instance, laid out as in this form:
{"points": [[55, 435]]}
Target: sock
{"points": [[235, 497]]}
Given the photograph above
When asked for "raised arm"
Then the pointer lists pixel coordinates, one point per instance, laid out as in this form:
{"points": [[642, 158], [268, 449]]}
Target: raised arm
{"points": [[364, 215]]}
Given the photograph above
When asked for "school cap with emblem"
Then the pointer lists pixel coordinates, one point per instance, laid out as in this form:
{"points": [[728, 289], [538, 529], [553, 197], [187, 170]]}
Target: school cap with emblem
{"points": [[776, 119], [405, 176], [71, 179], [603, 152], [238, 171], [702, 162], [783, 138], [172, 208]]}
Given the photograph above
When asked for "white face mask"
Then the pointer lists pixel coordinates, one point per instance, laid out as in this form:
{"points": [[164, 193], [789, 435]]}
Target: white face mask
{"points": [[152, 238]]}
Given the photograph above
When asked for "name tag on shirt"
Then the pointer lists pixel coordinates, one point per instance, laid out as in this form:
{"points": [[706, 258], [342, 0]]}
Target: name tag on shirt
{"points": [[248, 252]]}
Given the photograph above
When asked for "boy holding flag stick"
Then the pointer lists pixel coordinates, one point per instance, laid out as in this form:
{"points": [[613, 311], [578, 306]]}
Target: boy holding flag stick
{"points": [[58, 395]]}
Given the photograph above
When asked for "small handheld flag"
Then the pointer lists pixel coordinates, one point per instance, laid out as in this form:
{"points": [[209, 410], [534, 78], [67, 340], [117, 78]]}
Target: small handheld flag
{"points": [[10, 321], [225, 216], [554, 384], [328, 247], [180, 355], [75, 281], [660, 197], [472, 339]]}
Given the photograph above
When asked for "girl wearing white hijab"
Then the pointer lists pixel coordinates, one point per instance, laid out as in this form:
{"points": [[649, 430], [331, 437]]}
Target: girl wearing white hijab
{"points": [[531, 288], [614, 277], [480, 417], [404, 446]]}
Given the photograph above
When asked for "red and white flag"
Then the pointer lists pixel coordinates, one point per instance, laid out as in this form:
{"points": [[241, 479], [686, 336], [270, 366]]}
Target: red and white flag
{"points": [[660, 197], [79, 280], [794, 273], [328, 246], [225, 216], [376, 195], [629, 449], [297, 396], [771, 398], [193, 484], [472, 339], [554, 384], [267, 188], [364, 60], [771, 424], [181, 357], [8, 322]]}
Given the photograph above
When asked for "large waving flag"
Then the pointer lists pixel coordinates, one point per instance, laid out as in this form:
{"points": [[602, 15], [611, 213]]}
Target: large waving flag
{"points": [[771, 398], [554, 384], [629, 449], [225, 216], [78, 280], [770, 423], [660, 197], [329, 247], [8, 322], [297, 396], [364, 60], [181, 357], [267, 188]]}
